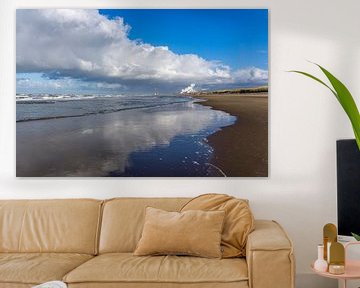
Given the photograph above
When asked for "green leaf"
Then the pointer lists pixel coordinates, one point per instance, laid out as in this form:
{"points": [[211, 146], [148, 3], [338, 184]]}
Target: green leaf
{"points": [[347, 102], [357, 137], [344, 97], [356, 236], [314, 78]]}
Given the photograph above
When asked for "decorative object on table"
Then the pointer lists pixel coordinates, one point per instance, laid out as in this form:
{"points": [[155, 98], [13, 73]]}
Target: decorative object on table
{"points": [[337, 258], [320, 264], [336, 269], [351, 269], [329, 236], [52, 284]]}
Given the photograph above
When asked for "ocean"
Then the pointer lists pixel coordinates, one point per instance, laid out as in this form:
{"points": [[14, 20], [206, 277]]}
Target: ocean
{"points": [[115, 136], [52, 106]]}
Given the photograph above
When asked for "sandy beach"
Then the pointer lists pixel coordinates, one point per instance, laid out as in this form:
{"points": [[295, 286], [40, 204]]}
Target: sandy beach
{"points": [[241, 150]]}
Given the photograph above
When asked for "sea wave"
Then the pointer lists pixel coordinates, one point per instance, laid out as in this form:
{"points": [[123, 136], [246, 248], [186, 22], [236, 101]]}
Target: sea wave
{"points": [[50, 98], [31, 108]]}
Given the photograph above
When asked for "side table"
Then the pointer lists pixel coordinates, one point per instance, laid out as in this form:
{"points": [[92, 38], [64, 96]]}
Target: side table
{"points": [[352, 268]]}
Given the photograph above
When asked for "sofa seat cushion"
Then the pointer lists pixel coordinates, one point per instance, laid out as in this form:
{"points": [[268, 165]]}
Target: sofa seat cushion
{"points": [[36, 268], [242, 284], [125, 267]]}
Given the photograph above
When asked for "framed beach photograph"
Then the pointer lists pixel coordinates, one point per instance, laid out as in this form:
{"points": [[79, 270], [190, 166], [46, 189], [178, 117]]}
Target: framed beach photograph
{"points": [[142, 93]]}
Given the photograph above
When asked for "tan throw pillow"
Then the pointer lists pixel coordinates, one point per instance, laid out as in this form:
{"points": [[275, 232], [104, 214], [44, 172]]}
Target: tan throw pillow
{"points": [[196, 233], [239, 220]]}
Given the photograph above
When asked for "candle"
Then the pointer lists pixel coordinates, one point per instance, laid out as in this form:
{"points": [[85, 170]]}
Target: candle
{"points": [[336, 269]]}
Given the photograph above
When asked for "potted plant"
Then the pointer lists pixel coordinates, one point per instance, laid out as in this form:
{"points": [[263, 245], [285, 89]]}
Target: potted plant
{"points": [[348, 185]]}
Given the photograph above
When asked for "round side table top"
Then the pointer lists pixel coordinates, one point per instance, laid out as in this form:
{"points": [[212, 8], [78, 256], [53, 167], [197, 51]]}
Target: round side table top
{"points": [[352, 271]]}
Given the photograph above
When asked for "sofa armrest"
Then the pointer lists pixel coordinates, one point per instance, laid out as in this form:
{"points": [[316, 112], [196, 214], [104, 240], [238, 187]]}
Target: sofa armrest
{"points": [[269, 256]]}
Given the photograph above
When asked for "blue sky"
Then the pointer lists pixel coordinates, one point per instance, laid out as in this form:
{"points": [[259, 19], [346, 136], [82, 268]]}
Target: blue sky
{"points": [[238, 38], [134, 51]]}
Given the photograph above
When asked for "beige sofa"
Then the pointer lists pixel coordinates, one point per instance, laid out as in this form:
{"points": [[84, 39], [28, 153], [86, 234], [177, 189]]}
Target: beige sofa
{"points": [[89, 243]]}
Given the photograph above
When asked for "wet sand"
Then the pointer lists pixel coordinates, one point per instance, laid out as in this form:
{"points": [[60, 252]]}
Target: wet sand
{"points": [[163, 141], [241, 150]]}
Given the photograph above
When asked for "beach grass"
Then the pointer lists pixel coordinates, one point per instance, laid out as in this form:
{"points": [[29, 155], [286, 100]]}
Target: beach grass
{"points": [[248, 90]]}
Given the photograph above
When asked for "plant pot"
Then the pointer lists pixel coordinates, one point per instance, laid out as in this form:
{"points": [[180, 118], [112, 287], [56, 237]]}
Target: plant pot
{"points": [[348, 187]]}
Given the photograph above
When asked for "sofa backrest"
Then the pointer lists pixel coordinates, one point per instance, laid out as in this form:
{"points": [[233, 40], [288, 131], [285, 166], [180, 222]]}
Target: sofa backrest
{"points": [[67, 226], [123, 220]]}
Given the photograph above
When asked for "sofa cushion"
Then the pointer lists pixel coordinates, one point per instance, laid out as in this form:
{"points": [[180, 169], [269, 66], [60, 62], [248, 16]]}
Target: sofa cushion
{"points": [[36, 268], [194, 232], [126, 268], [239, 220], [62, 226], [123, 220]]}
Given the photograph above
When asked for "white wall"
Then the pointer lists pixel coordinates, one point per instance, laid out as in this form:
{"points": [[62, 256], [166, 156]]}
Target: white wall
{"points": [[305, 120]]}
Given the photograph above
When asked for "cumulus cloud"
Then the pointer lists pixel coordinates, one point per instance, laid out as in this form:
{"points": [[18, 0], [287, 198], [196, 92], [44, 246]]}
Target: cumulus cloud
{"points": [[85, 45], [189, 89], [36, 84], [251, 75]]}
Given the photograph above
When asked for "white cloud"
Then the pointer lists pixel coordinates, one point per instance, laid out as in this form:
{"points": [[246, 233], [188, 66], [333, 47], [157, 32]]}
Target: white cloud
{"points": [[189, 89], [36, 84], [86, 45], [250, 75]]}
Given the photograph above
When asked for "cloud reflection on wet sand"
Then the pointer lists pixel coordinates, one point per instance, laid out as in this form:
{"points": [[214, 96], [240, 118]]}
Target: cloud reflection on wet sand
{"points": [[97, 145]]}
